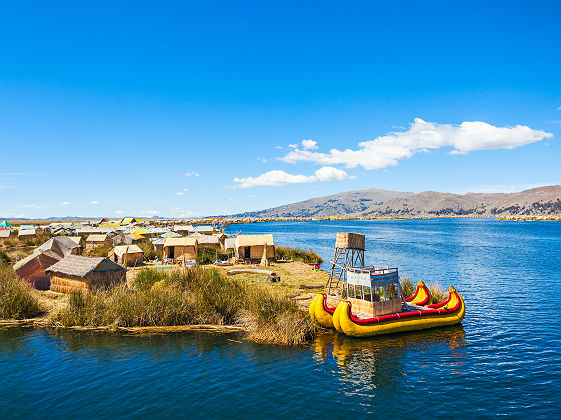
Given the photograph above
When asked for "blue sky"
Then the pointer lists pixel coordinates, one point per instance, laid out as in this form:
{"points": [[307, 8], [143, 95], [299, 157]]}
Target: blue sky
{"points": [[105, 107]]}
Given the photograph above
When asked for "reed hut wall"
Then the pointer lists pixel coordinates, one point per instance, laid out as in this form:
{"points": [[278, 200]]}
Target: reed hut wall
{"points": [[66, 283], [255, 252], [188, 252]]}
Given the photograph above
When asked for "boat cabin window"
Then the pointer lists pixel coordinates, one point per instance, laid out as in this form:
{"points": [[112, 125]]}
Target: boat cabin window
{"points": [[373, 290]]}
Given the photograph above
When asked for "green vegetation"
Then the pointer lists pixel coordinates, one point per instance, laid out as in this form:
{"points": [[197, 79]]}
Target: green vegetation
{"points": [[193, 296], [209, 256], [150, 251], [16, 299], [4, 258], [98, 251], [286, 253]]}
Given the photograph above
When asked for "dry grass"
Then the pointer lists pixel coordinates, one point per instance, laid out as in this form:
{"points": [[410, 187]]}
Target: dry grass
{"points": [[194, 296], [16, 298]]}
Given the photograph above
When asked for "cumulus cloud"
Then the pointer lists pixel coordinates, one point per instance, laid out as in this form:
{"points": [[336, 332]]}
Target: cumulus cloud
{"points": [[191, 173], [277, 178], [309, 145], [65, 203], [182, 192], [93, 202], [422, 136]]}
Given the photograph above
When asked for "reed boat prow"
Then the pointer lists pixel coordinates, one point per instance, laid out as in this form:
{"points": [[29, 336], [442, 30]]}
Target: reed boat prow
{"points": [[320, 312]]}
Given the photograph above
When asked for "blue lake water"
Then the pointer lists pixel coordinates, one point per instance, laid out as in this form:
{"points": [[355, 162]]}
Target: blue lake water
{"points": [[505, 359]]}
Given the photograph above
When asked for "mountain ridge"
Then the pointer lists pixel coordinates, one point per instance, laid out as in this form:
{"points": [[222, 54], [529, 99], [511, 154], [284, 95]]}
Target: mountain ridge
{"points": [[540, 201]]}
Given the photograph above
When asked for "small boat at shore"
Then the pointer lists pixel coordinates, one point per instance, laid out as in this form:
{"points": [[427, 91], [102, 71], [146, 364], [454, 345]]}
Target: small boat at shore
{"points": [[373, 304]]}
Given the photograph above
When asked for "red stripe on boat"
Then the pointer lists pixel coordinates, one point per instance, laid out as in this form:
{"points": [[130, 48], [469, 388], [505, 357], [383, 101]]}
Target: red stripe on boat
{"points": [[410, 314]]}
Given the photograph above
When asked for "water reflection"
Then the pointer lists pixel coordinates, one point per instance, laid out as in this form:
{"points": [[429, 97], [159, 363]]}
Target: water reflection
{"points": [[383, 361]]}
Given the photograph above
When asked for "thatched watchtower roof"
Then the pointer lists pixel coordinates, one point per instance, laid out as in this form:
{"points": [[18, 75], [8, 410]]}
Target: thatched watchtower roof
{"points": [[79, 266]]}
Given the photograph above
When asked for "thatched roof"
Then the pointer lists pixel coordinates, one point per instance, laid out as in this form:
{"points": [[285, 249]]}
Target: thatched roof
{"points": [[207, 239], [61, 245], [171, 235], [5, 233], [97, 238], [76, 239], [26, 267], [26, 232], [127, 249], [203, 228], [184, 241], [183, 228], [254, 240], [77, 265], [125, 238]]}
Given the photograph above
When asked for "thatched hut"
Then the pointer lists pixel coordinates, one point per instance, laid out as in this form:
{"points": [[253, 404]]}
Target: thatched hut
{"points": [[124, 238], [76, 272], [128, 255], [93, 241], [26, 233], [5, 235], [32, 268], [184, 248], [62, 246], [253, 247]]}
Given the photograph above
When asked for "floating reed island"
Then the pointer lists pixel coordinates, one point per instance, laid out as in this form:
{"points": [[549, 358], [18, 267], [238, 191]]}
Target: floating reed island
{"points": [[137, 277]]}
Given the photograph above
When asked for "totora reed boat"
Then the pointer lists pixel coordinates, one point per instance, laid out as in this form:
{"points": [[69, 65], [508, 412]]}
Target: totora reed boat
{"points": [[373, 304]]}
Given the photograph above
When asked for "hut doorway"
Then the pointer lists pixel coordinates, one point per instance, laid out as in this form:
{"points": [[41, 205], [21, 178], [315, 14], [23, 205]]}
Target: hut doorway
{"points": [[171, 252], [247, 252]]}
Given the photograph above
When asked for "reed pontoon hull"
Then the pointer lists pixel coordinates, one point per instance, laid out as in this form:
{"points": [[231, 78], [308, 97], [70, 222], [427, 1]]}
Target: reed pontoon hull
{"points": [[446, 313]]}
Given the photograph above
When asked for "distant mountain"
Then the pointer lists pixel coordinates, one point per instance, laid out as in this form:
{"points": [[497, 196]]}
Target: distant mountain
{"points": [[342, 204], [375, 202], [535, 202]]}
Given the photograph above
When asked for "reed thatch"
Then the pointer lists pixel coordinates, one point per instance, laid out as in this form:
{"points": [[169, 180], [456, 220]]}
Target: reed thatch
{"points": [[32, 268], [349, 240], [84, 273], [254, 247]]}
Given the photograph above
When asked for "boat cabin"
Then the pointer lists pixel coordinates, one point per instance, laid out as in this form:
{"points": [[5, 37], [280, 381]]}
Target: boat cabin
{"points": [[373, 290]]}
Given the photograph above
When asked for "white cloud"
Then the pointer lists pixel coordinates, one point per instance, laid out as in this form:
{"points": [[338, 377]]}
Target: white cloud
{"points": [[191, 173], [293, 146], [279, 147], [93, 202], [119, 212], [423, 136], [559, 108], [32, 206], [65, 203], [309, 145], [264, 160], [278, 178], [150, 212], [182, 192]]}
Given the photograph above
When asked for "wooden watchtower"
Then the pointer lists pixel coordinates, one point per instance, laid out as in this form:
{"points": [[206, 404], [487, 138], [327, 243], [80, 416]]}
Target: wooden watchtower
{"points": [[349, 252]]}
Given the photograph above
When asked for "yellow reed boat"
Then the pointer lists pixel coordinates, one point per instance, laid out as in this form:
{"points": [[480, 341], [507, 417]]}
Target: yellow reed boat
{"points": [[374, 305]]}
